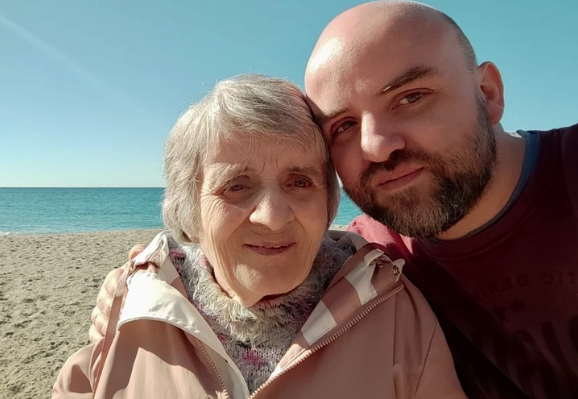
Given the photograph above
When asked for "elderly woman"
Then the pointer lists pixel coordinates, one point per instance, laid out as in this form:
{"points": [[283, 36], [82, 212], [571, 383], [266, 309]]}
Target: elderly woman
{"points": [[249, 295]]}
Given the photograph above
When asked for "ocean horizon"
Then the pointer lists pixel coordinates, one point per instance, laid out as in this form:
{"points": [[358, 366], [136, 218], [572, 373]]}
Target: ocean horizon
{"points": [[32, 210]]}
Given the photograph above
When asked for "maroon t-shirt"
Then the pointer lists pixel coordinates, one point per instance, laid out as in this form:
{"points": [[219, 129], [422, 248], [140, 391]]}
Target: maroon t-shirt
{"points": [[507, 296]]}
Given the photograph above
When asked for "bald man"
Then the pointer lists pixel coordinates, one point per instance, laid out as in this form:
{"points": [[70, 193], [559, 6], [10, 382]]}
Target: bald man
{"points": [[487, 220]]}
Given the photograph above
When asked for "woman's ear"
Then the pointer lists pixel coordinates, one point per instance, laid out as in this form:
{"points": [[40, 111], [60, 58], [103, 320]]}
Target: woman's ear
{"points": [[492, 89], [190, 239]]}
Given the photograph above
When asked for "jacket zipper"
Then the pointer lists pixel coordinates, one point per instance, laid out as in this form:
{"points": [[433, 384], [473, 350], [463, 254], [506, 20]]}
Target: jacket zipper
{"points": [[398, 286], [214, 367]]}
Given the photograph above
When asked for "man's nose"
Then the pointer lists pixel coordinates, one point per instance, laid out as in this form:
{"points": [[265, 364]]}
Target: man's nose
{"points": [[378, 140]]}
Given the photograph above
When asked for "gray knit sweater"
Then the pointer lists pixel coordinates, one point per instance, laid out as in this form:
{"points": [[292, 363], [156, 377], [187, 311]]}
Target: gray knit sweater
{"points": [[256, 338]]}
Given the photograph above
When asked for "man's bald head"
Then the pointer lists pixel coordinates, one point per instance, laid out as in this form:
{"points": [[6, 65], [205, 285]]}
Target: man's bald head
{"points": [[375, 19]]}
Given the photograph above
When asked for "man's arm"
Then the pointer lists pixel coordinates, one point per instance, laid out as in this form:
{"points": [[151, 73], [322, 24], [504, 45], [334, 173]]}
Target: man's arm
{"points": [[101, 311]]}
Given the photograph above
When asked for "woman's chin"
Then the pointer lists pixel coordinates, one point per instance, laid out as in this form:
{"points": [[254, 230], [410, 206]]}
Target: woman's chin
{"points": [[265, 286], [269, 298]]}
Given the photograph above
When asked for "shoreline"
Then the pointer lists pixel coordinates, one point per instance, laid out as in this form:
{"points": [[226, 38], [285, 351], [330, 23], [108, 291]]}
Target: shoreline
{"points": [[48, 288], [157, 229], [60, 233]]}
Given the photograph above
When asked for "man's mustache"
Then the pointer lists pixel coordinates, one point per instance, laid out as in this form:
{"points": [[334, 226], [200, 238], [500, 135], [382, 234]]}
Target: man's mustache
{"points": [[395, 159]]}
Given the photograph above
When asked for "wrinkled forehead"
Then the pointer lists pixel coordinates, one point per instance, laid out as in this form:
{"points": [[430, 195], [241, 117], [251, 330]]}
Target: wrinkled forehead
{"points": [[263, 153]]}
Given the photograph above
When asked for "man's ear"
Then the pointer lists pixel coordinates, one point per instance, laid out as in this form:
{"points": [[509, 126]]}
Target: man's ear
{"points": [[492, 89]]}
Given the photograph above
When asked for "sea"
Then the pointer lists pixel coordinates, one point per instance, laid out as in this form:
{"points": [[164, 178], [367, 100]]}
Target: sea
{"points": [[75, 210]]}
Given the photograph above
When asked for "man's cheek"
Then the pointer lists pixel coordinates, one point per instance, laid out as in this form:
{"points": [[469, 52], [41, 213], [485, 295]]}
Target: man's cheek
{"points": [[346, 167]]}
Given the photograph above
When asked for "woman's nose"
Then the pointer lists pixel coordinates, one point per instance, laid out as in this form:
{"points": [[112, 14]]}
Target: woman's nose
{"points": [[273, 210]]}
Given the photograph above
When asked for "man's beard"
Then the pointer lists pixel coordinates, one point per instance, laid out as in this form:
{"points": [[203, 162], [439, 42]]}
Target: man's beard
{"points": [[460, 179]]}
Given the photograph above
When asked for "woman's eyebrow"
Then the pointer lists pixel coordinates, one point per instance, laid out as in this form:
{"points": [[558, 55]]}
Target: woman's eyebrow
{"points": [[230, 170], [220, 173], [306, 170]]}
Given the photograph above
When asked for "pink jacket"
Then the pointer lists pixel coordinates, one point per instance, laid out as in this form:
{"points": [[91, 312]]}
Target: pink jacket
{"points": [[372, 336]]}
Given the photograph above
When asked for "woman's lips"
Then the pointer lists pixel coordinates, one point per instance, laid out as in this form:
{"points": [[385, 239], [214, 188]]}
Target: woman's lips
{"points": [[270, 249], [399, 180]]}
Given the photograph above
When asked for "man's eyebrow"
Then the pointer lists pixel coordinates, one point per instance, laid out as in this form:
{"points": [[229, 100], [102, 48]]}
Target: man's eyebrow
{"points": [[409, 76], [322, 120]]}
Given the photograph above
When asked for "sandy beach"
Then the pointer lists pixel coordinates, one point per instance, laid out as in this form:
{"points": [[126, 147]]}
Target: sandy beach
{"points": [[48, 287]]}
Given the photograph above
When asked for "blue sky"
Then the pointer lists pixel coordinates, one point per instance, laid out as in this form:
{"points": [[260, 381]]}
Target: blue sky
{"points": [[90, 89]]}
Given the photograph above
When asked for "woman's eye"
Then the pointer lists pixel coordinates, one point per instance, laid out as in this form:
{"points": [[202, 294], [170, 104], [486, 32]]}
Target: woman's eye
{"points": [[236, 187], [344, 126], [301, 183], [411, 98]]}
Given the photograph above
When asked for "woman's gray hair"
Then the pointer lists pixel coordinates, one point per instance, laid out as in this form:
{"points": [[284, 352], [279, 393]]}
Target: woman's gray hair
{"points": [[247, 106]]}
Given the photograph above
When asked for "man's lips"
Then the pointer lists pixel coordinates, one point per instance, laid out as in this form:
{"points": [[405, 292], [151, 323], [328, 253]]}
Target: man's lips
{"points": [[398, 178], [270, 248]]}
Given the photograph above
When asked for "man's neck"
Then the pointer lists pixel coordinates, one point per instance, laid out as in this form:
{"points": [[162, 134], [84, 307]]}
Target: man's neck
{"points": [[510, 160]]}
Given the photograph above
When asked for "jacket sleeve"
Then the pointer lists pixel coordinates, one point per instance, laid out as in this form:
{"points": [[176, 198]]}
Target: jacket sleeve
{"points": [[438, 378], [76, 378]]}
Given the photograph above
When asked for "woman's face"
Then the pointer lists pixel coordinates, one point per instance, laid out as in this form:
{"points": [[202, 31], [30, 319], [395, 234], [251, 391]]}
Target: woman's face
{"points": [[263, 214]]}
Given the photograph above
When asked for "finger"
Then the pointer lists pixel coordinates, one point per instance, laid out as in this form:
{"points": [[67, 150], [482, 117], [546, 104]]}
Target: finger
{"points": [[96, 317], [137, 249], [104, 302], [111, 281], [94, 335], [100, 324]]}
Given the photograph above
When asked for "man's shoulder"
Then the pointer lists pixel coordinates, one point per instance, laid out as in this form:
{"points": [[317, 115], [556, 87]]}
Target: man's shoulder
{"points": [[560, 146], [566, 136], [572, 129], [568, 144]]}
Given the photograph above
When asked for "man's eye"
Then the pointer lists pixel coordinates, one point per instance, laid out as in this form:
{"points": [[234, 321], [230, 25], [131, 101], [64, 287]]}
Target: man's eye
{"points": [[344, 126], [411, 98]]}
